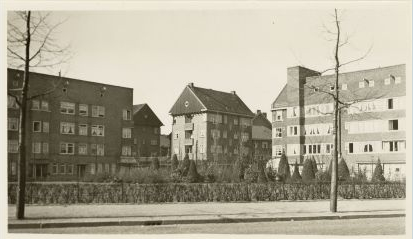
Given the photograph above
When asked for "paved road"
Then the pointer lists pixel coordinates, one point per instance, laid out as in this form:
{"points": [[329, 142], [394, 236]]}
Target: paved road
{"points": [[372, 226]]}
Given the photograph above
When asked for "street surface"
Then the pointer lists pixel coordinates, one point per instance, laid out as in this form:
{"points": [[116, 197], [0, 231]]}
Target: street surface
{"points": [[371, 226]]}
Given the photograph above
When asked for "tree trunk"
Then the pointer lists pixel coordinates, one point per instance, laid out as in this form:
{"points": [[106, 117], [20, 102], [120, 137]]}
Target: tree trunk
{"points": [[21, 173], [334, 171]]}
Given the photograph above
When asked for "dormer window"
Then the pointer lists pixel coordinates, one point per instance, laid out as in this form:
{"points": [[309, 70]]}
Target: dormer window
{"points": [[316, 89], [371, 83], [361, 84], [332, 88]]}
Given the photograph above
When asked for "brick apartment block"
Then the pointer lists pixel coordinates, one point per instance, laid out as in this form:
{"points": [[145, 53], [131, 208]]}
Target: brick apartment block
{"points": [[372, 128], [210, 125], [80, 128]]}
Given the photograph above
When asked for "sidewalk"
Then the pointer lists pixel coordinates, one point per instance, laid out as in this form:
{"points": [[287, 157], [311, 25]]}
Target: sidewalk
{"points": [[185, 213]]}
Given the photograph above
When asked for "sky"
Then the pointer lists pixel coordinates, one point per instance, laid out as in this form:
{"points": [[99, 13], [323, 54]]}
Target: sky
{"points": [[247, 50]]}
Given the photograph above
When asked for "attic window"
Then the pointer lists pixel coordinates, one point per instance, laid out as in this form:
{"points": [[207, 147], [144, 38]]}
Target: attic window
{"points": [[332, 88], [316, 89], [146, 116], [186, 104]]}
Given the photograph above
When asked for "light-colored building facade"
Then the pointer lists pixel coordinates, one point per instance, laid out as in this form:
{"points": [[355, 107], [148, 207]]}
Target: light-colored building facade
{"points": [[372, 126], [78, 128], [210, 125]]}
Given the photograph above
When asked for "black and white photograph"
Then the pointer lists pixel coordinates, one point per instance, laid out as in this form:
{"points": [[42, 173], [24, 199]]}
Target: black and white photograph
{"points": [[207, 119]]}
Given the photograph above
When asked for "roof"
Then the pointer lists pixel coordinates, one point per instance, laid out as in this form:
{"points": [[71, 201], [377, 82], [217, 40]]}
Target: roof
{"points": [[352, 80], [220, 101], [144, 115]]}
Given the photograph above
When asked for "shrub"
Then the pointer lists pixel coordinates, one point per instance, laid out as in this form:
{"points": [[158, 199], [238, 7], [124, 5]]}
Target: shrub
{"points": [[261, 174], [284, 168], [193, 176], [174, 162], [155, 164], [250, 175], [185, 165], [271, 174], [323, 176], [378, 173], [314, 164], [238, 171], [343, 172], [296, 177], [144, 175], [308, 174], [360, 176]]}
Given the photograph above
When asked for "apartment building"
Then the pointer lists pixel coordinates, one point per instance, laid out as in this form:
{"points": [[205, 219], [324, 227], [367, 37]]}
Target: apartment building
{"points": [[211, 125], [74, 127], [372, 124], [146, 131], [261, 137]]}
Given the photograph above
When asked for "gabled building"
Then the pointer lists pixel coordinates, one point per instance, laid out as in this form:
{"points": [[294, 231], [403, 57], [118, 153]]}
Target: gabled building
{"points": [[76, 129], [210, 125], [146, 131], [372, 126], [261, 136]]}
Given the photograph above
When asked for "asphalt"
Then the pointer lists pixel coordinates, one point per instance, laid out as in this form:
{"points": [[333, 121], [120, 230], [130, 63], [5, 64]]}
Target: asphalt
{"points": [[98, 215]]}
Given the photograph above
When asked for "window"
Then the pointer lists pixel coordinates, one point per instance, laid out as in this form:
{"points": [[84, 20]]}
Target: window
{"points": [[292, 130], [99, 168], [126, 115], [215, 133], [62, 169], [154, 142], [397, 80], [245, 136], [394, 146], [67, 108], [83, 110], [225, 119], [277, 133], [98, 111], [92, 168], [35, 105], [97, 149], [387, 81], [13, 167], [368, 148], [278, 115], [37, 126], [107, 168], [82, 129], [389, 104], [11, 102], [82, 149], [332, 88], [45, 148], [126, 151], [126, 133], [292, 112], [235, 121], [67, 128], [45, 105], [13, 146], [98, 130], [69, 169], [361, 84], [278, 150], [67, 148], [350, 148], [235, 136], [371, 83], [344, 86], [155, 130], [54, 168], [224, 134], [329, 148], [293, 149], [13, 124], [265, 145], [393, 124]]}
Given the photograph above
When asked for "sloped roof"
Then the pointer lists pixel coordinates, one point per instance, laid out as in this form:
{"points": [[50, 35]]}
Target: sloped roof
{"points": [[144, 115], [215, 100], [282, 99]]}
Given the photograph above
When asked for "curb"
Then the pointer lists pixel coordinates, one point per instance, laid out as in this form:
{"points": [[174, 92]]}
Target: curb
{"points": [[40, 225]]}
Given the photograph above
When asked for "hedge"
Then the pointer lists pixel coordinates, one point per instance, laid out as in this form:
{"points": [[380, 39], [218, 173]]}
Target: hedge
{"points": [[72, 193]]}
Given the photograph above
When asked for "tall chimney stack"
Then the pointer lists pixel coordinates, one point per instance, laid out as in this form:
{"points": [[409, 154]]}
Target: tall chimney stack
{"points": [[191, 84]]}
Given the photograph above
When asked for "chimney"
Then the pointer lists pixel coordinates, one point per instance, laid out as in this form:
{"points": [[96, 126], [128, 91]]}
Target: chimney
{"points": [[258, 112], [233, 92], [264, 114], [191, 85]]}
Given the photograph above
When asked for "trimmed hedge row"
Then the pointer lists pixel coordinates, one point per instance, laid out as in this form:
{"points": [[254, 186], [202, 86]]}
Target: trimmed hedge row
{"points": [[71, 193]]}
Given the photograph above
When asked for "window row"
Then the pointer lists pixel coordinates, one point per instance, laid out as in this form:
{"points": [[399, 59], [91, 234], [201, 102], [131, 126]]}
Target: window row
{"points": [[395, 103], [63, 169], [69, 128], [223, 119], [374, 126], [40, 147], [387, 81], [69, 108], [376, 147], [102, 167], [310, 149], [39, 126], [83, 149]]}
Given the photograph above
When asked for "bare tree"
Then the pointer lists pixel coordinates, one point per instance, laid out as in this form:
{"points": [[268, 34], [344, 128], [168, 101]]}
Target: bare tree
{"points": [[30, 44]]}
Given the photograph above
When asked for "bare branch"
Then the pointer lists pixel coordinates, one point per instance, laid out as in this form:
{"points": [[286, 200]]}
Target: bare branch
{"points": [[16, 98]]}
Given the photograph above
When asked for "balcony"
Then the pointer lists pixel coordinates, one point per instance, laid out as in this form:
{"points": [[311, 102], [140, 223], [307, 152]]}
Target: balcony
{"points": [[188, 142], [189, 126]]}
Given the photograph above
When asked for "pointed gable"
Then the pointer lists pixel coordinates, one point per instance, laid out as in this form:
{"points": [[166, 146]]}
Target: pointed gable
{"points": [[143, 115], [187, 103]]}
